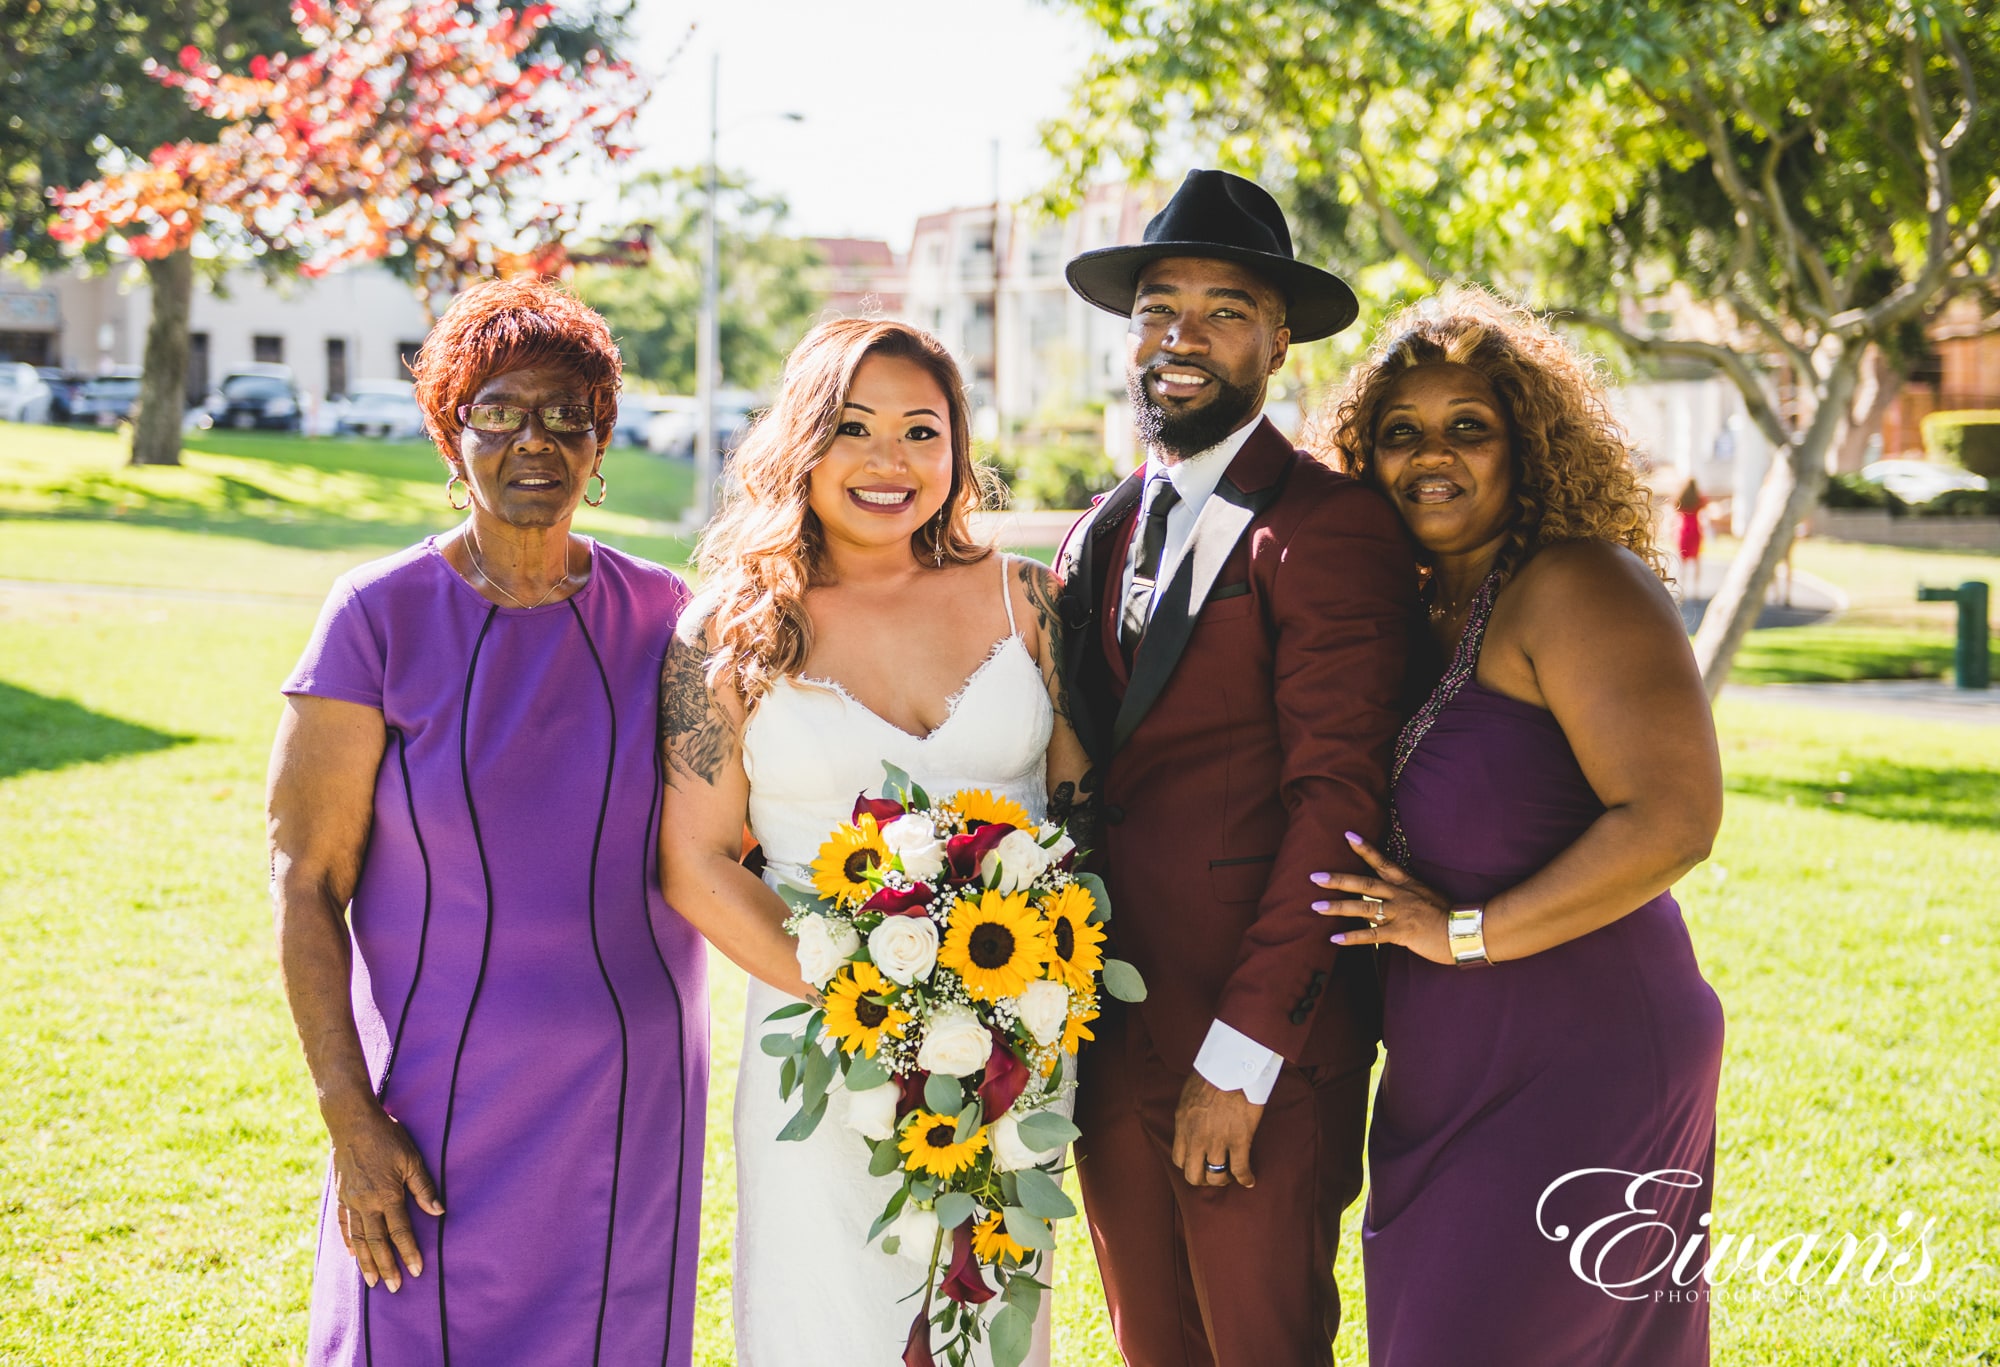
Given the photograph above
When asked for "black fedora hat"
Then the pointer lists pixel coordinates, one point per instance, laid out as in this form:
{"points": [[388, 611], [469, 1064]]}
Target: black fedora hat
{"points": [[1224, 218]]}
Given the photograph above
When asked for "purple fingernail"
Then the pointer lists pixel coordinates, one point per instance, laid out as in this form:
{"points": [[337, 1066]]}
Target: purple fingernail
{"points": [[1322, 906], [1339, 939], [1321, 876], [1353, 838]]}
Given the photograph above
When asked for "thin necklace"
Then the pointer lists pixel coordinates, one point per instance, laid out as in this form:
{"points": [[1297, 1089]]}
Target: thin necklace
{"points": [[472, 550]]}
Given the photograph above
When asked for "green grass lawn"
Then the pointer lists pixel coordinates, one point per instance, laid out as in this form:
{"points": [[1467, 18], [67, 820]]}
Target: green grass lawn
{"points": [[160, 1160]]}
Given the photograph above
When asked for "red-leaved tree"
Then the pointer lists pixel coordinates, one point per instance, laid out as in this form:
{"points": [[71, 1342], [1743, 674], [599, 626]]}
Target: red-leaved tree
{"points": [[414, 131]]}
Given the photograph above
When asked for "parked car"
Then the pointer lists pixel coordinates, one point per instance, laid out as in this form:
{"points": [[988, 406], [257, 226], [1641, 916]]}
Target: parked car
{"points": [[64, 390], [670, 431], [378, 408], [1920, 481], [107, 400], [24, 394], [258, 396]]}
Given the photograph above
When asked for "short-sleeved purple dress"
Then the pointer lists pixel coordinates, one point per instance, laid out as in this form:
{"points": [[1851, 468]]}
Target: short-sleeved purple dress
{"points": [[530, 1008], [1602, 1053]]}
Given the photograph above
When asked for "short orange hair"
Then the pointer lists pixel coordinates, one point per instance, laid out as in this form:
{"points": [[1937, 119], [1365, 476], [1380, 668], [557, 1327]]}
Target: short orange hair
{"points": [[502, 325]]}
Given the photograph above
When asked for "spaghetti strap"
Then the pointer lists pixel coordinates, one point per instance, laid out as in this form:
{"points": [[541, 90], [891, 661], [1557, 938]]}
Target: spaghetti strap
{"points": [[1007, 596]]}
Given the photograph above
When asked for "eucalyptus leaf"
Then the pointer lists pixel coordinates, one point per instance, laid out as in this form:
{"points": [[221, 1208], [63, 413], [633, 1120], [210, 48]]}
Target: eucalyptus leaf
{"points": [[898, 782], [954, 1208], [889, 1213], [1101, 912], [818, 1076], [968, 1122], [918, 797], [1122, 981], [818, 1018], [1012, 1333], [798, 899], [779, 1046], [1026, 1230], [864, 1072], [893, 1245], [885, 1159], [805, 1122], [785, 1013], [1024, 1293], [1041, 1195], [943, 1094], [1048, 1131], [788, 1078]]}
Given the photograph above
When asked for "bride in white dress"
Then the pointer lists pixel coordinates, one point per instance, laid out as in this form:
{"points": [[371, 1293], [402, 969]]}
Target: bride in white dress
{"points": [[846, 618]]}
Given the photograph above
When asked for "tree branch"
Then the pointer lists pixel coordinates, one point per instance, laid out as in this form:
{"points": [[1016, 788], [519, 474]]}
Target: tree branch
{"points": [[1968, 89], [1726, 359], [1930, 147], [1746, 307], [1800, 255]]}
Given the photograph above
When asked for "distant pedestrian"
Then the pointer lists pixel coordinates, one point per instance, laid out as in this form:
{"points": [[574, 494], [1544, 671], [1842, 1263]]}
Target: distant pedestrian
{"points": [[1687, 537]]}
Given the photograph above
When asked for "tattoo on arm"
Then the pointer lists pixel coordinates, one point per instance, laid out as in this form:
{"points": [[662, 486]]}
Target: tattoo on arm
{"points": [[1043, 590], [1075, 806], [693, 730]]}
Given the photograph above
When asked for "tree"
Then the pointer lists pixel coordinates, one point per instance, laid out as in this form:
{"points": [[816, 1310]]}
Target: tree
{"points": [[769, 294], [410, 130], [1819, 179]]}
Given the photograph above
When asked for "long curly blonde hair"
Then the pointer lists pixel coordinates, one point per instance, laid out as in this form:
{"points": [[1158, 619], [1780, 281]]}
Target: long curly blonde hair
{"points": [[766, 547], [1574, 476]]}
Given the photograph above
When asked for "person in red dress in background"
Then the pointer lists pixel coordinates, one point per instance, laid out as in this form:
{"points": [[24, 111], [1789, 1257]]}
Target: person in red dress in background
{"points": [[1687, 537]]}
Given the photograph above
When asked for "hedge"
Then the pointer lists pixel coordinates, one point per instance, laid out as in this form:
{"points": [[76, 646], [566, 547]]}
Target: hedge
{"points": [[1968, 437]]}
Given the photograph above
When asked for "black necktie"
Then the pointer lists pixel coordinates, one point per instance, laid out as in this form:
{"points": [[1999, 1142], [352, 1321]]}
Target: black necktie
{"points": [[1161, 496]]}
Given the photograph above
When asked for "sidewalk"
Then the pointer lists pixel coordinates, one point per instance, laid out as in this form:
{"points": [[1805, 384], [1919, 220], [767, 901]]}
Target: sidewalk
{"points": [[1811, 599], [1921, 699]]}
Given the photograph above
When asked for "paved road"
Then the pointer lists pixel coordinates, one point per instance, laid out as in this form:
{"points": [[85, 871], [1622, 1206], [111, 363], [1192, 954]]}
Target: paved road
{"points": [[1920, 699], [1810, 600]]}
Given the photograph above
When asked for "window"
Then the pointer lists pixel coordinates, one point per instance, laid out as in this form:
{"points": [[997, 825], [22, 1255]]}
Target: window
{"points": [[336, 367], [197, 376], [406, 358], [267, 350]]}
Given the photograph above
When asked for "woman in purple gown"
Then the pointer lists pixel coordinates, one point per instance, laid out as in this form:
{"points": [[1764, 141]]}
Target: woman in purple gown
{"points": [[507, 1028], [1543, 1140]]}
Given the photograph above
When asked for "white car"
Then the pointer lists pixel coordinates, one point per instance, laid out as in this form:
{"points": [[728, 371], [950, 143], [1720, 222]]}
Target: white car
{"points": [[24, 395], [1920, 481], [379, 408]]}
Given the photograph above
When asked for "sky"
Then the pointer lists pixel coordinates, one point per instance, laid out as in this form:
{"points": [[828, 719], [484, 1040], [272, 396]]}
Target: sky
{"points": [[903, 100]]}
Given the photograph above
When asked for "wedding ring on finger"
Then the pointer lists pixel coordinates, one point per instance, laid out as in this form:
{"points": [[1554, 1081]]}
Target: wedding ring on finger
{"points": [[1217, 1168], [1377, 913]]}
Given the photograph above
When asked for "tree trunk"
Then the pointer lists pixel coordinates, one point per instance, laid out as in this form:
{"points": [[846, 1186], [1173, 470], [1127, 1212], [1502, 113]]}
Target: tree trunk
{"points": [[1791, 491], [1881, 383], [156, 422]]}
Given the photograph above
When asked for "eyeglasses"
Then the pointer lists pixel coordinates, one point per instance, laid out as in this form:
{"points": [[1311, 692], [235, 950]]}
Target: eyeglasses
{"points": [[566, 418]]}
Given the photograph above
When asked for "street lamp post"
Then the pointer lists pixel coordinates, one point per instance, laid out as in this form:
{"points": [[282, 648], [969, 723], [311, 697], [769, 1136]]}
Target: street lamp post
{"points": [[708, 329]]}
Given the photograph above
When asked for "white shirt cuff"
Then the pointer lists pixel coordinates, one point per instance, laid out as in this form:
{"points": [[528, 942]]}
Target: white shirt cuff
{"points": [[1233, 1062]]}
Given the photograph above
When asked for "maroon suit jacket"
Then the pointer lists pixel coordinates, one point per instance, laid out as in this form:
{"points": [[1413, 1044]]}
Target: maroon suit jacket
{"points": [[1253, 729]]}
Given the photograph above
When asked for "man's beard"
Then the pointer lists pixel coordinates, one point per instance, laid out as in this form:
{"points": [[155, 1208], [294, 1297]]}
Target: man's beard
{"points": [[1184, 433]]}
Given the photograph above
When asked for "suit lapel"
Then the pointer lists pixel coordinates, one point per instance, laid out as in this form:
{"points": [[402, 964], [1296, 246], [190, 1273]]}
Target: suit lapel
{"points": [[1082, 565], [1253, 480]]}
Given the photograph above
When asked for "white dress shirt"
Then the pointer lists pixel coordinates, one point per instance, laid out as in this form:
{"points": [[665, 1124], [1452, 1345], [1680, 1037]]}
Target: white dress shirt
{"points": [[1229, 1059]]}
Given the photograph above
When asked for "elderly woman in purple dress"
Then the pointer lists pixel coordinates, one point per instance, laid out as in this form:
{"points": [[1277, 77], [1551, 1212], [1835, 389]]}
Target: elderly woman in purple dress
{"points": [[507, 1028], [1544, 1134]]}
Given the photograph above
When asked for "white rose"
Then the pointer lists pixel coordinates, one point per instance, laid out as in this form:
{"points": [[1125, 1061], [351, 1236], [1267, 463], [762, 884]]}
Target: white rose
{"points": [[1059, 851], [955, 1043], [824, 945], [917, 1229], [1011, 1152], [1043, 1007], [871, 1112], [912, 839], [1019, 860], [904, 947]]}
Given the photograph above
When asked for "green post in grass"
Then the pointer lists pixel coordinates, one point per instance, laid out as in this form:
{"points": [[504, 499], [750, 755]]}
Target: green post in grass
{"points": [[1973, 661]]}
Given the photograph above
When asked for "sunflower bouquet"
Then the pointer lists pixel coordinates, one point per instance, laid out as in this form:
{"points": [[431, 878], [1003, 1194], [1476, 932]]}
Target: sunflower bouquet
{"points": [[960, 954]]}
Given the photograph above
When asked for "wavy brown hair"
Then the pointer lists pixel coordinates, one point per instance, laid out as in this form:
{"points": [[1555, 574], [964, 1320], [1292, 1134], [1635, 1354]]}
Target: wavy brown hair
{"points": [[1574, 478], [766, 547]]}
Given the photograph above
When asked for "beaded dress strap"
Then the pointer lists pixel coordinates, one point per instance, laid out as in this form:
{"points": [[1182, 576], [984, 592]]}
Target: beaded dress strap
{"points": [[1464, 664]]}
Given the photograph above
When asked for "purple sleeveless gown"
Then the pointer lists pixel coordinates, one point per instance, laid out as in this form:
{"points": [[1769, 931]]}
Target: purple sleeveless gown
{"points": [[530, 1008], [1600, 1053]]}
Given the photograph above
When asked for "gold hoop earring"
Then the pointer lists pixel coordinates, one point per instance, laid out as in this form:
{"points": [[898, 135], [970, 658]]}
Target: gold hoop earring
{"points": [[603, 488], [457, 477]]}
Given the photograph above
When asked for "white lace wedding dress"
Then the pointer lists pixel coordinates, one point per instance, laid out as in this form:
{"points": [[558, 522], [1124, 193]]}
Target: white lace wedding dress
{"points": [[809, 1291]]}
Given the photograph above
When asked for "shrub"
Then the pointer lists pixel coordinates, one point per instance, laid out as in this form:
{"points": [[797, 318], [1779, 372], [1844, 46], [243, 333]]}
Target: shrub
{"points": [[1852, 491], [1963, 503], [1055, 475], [1968, 437]]}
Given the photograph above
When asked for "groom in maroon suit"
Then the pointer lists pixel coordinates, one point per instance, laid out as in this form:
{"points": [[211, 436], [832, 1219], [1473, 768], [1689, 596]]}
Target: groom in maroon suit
{"points": [[1238, 619]]}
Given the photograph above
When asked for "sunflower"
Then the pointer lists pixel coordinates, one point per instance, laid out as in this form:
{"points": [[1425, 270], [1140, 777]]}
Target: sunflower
{"points": [[1075, 945], [840, 874], [991, 1242], [982, 807], [1077, 1029], [996, 944], [853, 1015], [931, 1141]]}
